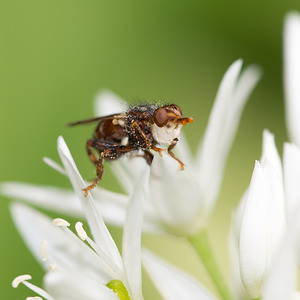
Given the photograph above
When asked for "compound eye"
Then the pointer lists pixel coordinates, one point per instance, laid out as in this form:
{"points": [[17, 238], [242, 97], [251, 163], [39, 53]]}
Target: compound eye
{"points": [[161, 117]]}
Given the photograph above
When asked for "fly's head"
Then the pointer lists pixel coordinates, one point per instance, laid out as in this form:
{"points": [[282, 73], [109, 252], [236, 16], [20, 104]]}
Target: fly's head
{"points": [[166, 124]]}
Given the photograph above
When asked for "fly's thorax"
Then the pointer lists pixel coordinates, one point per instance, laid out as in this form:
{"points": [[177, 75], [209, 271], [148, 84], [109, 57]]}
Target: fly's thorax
{"points": [[138, 126]]}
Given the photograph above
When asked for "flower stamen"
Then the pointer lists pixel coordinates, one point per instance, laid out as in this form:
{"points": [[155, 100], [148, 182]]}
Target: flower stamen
{"points": [[98, 251], [23, 279], [59, 222], [20, 279], [80, 231]]}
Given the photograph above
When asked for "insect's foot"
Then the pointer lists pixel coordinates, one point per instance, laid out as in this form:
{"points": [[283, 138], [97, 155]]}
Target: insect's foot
{"points": [[87, 189], [86, 192], [160, 152]]}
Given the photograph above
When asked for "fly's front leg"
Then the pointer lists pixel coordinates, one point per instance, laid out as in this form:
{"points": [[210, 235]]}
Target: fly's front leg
{"points": [[107, 150], [172, 154], [142, 134]]}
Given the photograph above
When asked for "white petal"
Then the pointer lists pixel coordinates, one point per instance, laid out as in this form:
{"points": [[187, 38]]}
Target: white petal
{"points": [[244, 87], [176, 196], [277, 210], [233, 246], [34, 228], [54, 165], [53, 198], [131, 245], [107, 103], [65, 285], [217, 117], [258, 232], [291, 168], [97, 226], [222, 126], [282, 281], [269, 151], [111, 205], [278, 203], [295, 296], [292, 74], [282, 276], [171, 282], [183, 151], [128, 170]]}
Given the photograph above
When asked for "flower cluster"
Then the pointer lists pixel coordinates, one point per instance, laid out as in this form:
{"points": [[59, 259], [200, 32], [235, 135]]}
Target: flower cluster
{"points": [[161, 199]]}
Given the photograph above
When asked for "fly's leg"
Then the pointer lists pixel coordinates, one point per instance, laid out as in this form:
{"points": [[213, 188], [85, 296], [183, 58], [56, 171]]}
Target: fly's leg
{"points": [[88, 146], [142, 134], [106, 149], [99, 172], [148, 157], [172, 155]]}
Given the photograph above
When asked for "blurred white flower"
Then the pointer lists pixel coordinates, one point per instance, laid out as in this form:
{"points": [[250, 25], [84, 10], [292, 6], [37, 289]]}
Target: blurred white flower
{"points": [[79, 267], [264, 234], [292, 74], [263, 222], [178, 202], [183, 201]]}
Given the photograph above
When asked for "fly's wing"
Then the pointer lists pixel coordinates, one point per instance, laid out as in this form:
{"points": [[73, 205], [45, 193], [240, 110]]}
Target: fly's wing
{"points": [[120, 116]]}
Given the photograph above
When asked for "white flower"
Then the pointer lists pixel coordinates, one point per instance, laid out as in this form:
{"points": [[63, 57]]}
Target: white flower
{"points": [[81, 268], [263, 218], [177, 201], [263, 221], [292, 74]]}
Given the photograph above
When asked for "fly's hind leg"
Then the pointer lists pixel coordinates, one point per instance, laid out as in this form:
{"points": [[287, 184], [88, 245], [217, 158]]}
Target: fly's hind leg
{"points": [[107, 150], [99, 172], [173, 156], [88, 146]]}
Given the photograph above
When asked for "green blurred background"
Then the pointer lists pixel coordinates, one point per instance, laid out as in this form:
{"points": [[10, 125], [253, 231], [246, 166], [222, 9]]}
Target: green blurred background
{"points": [[56, 55]]}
